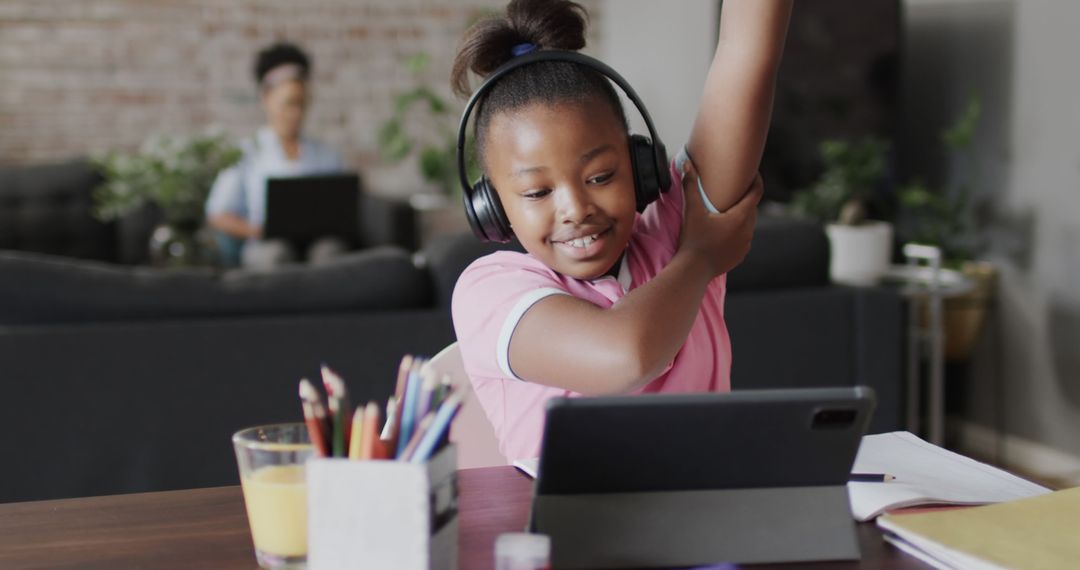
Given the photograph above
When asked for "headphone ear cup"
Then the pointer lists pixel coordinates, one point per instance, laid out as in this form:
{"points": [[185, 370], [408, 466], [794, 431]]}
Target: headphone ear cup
{"points": [[485, 213], [646, 178]]}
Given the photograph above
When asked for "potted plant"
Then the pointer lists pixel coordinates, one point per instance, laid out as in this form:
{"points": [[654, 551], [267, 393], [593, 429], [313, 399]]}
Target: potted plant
{"points": [[842, 199], [947, 218], [423, 128], [172, 174]]}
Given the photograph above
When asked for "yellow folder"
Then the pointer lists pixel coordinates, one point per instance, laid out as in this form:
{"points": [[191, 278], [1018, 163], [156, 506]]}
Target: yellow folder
{"points": [[1039, 532]]}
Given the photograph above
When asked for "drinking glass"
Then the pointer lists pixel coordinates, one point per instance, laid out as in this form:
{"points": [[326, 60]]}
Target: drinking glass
{"points": [[271, 461]]}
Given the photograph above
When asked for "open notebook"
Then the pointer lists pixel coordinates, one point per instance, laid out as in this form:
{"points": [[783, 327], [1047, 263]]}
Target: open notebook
{"points": [[925, 475]]}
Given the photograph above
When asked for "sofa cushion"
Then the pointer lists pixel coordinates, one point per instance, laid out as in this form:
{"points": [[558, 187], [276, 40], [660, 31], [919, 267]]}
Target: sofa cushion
{"points": [[786, 252], [47, 209], [43, 289]]}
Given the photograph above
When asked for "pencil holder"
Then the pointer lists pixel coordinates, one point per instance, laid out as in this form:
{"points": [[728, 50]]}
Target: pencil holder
{"points": [[383, 514]]}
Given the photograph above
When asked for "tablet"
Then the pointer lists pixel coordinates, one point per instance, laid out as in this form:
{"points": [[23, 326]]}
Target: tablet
{"points": [[670, 442], [655, 481]]}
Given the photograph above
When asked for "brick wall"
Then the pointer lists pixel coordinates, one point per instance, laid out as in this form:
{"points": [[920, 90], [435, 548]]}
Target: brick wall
{"points": [[85, 76]]}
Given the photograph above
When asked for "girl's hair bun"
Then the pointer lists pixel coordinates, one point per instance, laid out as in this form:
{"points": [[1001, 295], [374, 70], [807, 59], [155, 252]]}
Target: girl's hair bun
{"points": [[490, 42]]}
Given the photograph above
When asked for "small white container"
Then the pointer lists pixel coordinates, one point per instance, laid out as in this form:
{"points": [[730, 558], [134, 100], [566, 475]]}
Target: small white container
{"points": [[383, 514]]}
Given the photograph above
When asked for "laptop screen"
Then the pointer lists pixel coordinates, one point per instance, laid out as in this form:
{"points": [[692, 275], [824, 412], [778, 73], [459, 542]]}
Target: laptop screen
{"points": [[305, 208]]}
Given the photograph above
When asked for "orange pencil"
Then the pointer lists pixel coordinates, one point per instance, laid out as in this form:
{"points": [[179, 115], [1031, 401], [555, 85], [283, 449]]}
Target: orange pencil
{"points": [[370, 433], [381, 451], [316, 428]]}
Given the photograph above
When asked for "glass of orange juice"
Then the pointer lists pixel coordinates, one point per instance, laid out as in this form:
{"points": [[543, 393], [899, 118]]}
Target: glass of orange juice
{"points": [[271, 460]]}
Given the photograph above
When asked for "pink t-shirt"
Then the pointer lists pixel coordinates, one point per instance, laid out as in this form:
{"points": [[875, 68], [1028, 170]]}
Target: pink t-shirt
{"points": [[495, 291]]}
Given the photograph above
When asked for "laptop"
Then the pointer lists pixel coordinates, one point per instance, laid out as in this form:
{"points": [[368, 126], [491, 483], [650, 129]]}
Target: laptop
{"points": [[303, 209], [690, 479]]}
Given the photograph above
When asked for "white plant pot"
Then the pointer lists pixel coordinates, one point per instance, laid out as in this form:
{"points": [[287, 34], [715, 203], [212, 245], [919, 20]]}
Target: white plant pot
{"points": [[860, 255]]}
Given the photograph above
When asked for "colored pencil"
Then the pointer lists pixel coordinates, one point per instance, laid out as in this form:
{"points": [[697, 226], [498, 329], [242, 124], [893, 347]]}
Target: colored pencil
{"points": [[399, 401], [421, 428], [309, 398], [403, 376], [428, 383], [391, 414], [370, 432], [340, 410], [407, 415], [357, 434], [438, 428]]}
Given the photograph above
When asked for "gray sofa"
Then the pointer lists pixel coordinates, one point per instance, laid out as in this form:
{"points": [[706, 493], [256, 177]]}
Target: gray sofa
{"points": [[124, 378]]}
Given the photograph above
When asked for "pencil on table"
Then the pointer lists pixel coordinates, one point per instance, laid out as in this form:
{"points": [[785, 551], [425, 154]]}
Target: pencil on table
{"points": [[357, 435], [871, 477], [316, 428]]}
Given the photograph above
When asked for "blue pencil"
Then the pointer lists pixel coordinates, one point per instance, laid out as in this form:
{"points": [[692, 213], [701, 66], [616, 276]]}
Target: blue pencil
{"points": [[408, 409], [438, 427]]}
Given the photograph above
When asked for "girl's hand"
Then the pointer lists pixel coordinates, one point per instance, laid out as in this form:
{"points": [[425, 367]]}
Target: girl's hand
{"points": [[720, 240]]}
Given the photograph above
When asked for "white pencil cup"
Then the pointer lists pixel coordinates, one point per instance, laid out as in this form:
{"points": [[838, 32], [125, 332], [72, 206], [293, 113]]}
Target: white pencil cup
{"points": [[383, 514]]}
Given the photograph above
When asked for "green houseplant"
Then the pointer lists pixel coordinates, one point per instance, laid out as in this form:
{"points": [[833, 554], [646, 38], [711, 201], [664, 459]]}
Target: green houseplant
{"points": [[423, 126], [172, 174], [947, 217], [842, 199]]}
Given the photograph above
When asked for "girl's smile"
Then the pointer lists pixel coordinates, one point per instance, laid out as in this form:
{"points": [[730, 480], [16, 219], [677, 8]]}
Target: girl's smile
{"points": [[564, 178]]}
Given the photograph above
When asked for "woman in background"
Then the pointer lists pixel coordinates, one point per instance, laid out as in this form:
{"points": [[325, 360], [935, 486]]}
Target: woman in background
{"points": [[237, 203]]}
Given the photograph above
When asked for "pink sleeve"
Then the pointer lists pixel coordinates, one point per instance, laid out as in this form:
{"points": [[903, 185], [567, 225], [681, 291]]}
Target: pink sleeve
{"points": [[490, 297], [662, 220]]}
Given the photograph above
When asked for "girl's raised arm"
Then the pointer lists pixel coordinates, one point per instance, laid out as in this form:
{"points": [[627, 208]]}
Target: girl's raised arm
{"points": [[733, 120]]}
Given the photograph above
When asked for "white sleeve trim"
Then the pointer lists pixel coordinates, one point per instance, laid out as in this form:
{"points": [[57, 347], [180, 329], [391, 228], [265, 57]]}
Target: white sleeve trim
{"points": [[681, 158], [502, 349]]}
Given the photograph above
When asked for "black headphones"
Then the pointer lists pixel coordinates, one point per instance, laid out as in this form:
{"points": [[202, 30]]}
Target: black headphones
{"points": [[648, 158]]}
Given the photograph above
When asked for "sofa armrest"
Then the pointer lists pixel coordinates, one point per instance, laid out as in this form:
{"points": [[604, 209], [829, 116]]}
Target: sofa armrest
{"points": [[809, 337], [880, 321], [386, 221]]}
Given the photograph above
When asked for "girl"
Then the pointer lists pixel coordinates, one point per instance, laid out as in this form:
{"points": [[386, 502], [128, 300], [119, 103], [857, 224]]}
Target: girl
{"points": [[606, 300]]}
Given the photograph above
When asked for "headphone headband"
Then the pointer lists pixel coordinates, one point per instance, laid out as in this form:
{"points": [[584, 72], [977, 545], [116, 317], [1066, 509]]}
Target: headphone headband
{"points": [[552, 55]]}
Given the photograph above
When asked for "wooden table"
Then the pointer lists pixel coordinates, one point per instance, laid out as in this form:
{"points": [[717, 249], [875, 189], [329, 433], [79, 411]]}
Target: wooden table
{"points": [[207, 528]]}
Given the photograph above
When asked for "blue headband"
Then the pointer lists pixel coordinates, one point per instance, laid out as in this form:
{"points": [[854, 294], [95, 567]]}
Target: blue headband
{"points": [[522, 49]]}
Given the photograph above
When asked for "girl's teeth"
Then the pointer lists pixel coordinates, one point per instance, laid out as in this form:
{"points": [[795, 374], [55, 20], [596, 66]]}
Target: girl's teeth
{"points": [[582, 242]]}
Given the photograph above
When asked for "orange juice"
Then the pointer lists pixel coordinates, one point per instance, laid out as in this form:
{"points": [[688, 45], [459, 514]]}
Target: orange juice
{"points": [[276, 500]]}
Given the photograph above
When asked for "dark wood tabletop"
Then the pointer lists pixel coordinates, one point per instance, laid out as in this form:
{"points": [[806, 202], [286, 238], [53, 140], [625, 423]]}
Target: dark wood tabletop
{"points": [[207, 528]]}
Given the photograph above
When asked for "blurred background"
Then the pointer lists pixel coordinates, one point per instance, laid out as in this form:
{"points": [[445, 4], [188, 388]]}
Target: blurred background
{"points": [[79, 79]]}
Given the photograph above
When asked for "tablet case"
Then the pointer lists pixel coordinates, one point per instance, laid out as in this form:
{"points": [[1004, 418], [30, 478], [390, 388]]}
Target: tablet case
{"points": [[680, 480]]}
